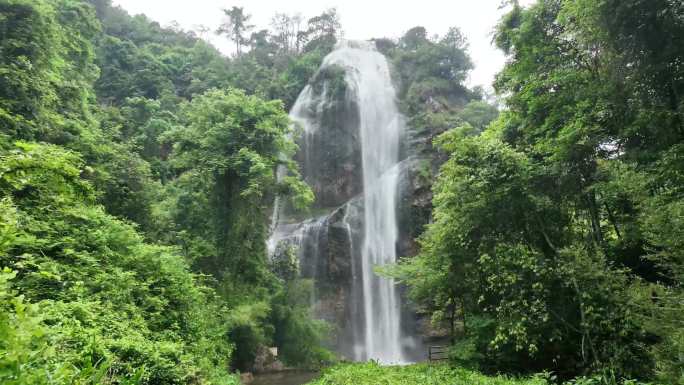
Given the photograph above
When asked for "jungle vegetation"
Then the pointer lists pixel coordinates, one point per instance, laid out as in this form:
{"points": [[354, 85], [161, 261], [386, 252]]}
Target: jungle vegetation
{"points": [[138, 168]]}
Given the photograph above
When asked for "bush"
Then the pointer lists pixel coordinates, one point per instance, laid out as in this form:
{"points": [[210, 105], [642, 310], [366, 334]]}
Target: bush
{"points": [[373, 373], [91, 299]]}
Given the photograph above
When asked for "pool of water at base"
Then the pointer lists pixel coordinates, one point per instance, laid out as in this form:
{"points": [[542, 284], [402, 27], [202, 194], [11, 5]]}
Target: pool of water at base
{"points": [[284, 378]]}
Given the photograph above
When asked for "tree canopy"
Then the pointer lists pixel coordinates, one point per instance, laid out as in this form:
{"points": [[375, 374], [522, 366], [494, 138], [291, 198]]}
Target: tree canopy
{"points": [[555, 241]]}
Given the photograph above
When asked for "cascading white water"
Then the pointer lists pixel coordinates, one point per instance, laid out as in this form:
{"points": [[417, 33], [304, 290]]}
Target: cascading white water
{"points": [[377, 331], [368, 77]]}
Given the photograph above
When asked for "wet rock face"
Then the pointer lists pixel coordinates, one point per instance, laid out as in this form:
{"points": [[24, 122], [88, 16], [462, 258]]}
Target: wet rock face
{"points": [[339, 250], [330, 254], [328, 248], [330, 150], [328, 251], [325, 252]]}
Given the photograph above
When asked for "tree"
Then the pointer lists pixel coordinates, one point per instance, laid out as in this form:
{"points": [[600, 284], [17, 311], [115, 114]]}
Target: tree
{"points": [[414, 38], [105, 229], [479, 114], [201, 31], [46, 69], [287, 31], [231, 144], [235, 27], [326, 24], [323, 30], [87, 297], [498, 251], [553, 233]]}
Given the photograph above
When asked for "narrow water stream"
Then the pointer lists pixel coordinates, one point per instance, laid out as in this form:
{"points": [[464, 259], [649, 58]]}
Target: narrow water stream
{"points": [[284, 378]]}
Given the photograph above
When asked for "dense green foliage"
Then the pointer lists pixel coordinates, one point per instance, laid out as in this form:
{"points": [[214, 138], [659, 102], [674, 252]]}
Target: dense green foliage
{"points": [[135, 180], [46, 69], [431, 73], [556, 242], [138, 164], [101, 296], [374, 374]]}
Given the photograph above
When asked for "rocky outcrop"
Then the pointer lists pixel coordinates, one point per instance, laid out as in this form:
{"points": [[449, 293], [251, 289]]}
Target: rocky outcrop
{"points": [[329, 253], [330, 159], [266, 361], [327, 248]]}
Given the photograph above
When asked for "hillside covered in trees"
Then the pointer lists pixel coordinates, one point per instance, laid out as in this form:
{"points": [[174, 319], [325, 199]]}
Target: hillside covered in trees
{"points": [[140, 167]]}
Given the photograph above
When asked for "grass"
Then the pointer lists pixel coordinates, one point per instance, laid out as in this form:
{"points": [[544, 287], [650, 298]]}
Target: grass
{"points": [[372, 373]]}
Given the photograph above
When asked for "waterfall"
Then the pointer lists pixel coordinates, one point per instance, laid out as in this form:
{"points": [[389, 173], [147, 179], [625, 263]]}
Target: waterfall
{"points": [[369, 80], [349, 153]]}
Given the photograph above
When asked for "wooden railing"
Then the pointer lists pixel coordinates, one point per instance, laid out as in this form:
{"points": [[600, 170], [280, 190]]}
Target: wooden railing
{"points": [[438, 353]]}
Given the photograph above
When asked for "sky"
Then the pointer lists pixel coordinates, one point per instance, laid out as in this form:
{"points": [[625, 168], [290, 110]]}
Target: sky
{"points": [[361, 19]]}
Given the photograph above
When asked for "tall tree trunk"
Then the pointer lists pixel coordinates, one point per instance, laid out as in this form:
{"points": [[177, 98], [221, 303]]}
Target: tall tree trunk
{"points": [[611, 217], [595, 219], [452, 321]]}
